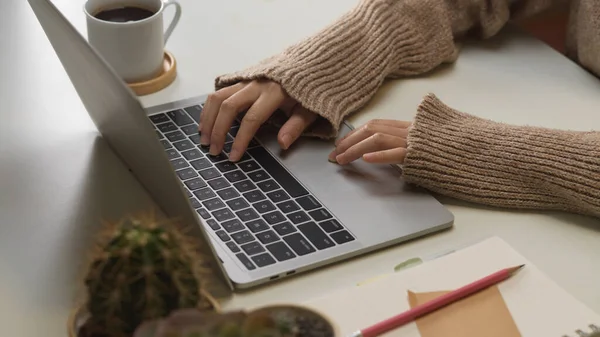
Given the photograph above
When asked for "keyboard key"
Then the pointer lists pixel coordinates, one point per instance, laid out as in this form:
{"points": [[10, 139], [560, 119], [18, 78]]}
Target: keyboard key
{"points": [[267, 237], [248, 166], [203, 148], [233, 226], [187, 173], [215, 159], [316, 235], [175, 136], [253, 248], [195, 184], [235, 176], [237, 204], [183, 145], [188, 193], [210, 173], [268, 186], [203, 213], [320, 214], [159, 135], [278, 196], [228, 193], [167, 127], [223, 215], [233, 247], [194, 111], [213, 204], [218, 183], [226, 166], [179, 163], [166, 144], [213, 224], [228, 138], [254, 196], [264, 206], [330, 225], [298, 217], [244, 186], [274, 217], [284, 228], [247, 214], [281, 251], [195, 139], [263, 260], [308, 202], [200, 164], [342, 237], [233, 131], [227, 147], [172, 153], [204, 194], [245, 261], [195, 203], [160, 118], [191, 129], [288, 206], [223, 236], [278, 172], [257, 225], [193, 154], [179, 117], [258, 175], [299, 244], [242, 237]]}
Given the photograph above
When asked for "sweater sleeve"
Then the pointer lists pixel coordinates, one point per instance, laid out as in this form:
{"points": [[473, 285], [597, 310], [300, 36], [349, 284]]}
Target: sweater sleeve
{"points": [[337, 70], [522, 167]]}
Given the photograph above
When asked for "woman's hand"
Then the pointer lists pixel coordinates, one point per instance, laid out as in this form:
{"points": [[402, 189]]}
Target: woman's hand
{"points": [[260, 99], [378, 141]]}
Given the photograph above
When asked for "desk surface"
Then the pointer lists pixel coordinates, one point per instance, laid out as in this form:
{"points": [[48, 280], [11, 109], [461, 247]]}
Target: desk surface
{"points": [[58, 178]]}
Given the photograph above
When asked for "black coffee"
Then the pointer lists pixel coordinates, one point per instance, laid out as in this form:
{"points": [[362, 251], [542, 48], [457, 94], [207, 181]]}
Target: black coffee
{"points": [[124, 14]]}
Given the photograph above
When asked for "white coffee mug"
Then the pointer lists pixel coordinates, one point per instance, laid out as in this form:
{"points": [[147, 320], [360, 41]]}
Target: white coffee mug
{"points": [[135, 48]]}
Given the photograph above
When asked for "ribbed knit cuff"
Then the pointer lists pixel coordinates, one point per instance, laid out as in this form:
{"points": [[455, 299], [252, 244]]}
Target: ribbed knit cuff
{"points": [[336, 71], [470, 158]]}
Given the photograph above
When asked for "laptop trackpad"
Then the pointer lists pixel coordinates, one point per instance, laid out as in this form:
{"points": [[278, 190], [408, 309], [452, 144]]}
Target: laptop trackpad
{"points": [[371, 200]]}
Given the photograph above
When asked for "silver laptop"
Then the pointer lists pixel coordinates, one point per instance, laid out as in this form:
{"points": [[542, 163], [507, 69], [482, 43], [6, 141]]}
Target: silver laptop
{"points": [[272, 214]]}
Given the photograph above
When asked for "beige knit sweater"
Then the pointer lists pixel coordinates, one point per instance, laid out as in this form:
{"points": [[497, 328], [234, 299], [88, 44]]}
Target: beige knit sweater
{"points": [[336, 71]]}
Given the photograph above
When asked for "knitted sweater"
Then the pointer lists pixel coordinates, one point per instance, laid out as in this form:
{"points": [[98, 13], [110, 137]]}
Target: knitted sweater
{"points": [[336, 71]]}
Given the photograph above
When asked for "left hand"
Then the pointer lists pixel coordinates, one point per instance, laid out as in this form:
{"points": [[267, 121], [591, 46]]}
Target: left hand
{"points": [[378, 141]]}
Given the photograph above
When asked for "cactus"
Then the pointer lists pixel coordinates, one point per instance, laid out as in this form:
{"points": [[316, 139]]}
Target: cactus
{"points": [[142, 270]]}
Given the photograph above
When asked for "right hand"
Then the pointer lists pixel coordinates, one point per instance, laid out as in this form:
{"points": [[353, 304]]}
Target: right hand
{"points": [[261, 99]]}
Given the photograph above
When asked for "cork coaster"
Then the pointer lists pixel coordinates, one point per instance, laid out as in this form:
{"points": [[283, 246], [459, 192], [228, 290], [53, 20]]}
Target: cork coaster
{"points": [[166, 77]]}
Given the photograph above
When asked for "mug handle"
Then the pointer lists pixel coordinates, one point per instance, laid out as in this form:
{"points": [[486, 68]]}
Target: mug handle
{"points": [[175, 20]]}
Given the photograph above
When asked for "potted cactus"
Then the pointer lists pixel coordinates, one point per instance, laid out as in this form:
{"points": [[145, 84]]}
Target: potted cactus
{"points": [[141, 269], [271, 321]]}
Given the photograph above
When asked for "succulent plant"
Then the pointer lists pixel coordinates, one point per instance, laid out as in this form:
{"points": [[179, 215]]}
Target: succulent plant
{"points": [[142, 269]]}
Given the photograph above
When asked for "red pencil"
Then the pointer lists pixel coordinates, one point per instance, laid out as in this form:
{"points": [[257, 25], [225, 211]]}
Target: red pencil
{"points": [[425, 308]]}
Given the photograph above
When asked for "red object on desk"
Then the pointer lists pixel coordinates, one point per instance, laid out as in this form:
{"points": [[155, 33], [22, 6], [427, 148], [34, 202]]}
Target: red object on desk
{"points": [[441, 301]]}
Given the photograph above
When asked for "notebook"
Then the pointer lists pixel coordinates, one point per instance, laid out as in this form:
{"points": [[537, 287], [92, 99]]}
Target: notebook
{"points": [[536, 305]]}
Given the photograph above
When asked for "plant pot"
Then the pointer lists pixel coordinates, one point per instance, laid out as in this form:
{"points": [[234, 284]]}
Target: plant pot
{"points": [[79, 316], [311, 322]]}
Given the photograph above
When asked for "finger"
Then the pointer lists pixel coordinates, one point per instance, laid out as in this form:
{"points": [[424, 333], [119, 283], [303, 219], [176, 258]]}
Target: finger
{"points": [[374, 122], [211, 109], [391, 156], [228, 112], [365, 132], [376, 142], [295, 125], [258, 113]]}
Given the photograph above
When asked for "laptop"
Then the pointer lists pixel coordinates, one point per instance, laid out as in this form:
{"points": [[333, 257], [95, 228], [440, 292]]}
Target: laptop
{"points": [[269, 216]]}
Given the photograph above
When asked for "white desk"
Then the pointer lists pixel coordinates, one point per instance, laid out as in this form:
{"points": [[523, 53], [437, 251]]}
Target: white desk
{"points": [[57, 179]]}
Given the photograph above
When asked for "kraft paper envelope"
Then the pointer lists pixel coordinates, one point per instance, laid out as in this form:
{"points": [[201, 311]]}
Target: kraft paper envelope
{"points": [[537, 305]]}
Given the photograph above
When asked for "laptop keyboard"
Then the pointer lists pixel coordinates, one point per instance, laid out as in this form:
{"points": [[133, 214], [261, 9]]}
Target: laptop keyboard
{"points": [[255, 207]]}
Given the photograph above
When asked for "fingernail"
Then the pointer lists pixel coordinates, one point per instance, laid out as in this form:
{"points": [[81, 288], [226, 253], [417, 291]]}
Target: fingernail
{"points": [[213, 150], [286, 140], [331, 157], [233, 155]]}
